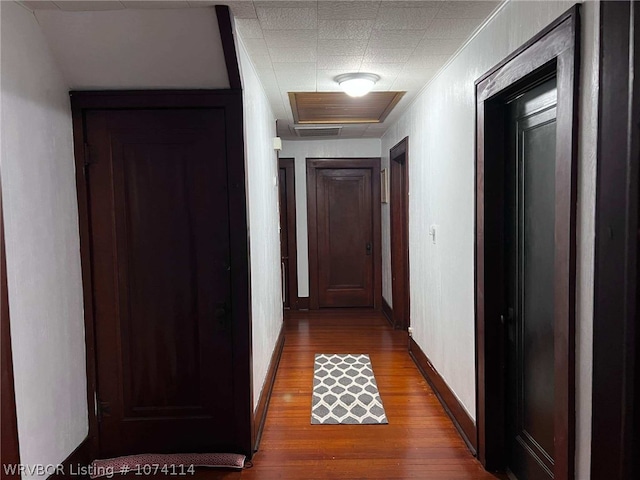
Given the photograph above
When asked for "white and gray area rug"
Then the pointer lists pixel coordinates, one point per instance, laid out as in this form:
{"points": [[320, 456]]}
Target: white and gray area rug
{"points": [[345, 391]]}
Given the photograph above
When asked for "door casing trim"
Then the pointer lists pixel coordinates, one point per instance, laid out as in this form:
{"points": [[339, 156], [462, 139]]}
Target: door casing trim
{"points": [[314, 164], [401, 149], [554, 51], [615, 430]]}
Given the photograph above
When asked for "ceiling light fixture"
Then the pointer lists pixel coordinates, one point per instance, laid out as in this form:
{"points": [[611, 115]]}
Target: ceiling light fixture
{"points": [[357, 84]]}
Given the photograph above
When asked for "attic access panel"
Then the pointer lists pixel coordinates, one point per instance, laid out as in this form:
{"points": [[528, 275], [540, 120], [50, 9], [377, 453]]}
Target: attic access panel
{"points": [[338, 107]]}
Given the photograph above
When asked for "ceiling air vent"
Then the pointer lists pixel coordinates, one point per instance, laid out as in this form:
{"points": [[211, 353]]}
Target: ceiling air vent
{"points": [[317, 131]]}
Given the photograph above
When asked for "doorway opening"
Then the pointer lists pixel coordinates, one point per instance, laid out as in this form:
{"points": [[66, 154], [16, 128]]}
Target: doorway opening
{"points": [[399, 193], [345, 255], [288, 243], [525, 256]]}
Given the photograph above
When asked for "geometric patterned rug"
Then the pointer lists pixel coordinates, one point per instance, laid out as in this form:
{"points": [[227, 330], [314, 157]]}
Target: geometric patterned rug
{"points": [[345, 391]]}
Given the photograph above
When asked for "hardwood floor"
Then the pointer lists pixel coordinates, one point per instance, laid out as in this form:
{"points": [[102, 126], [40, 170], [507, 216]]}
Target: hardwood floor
{"points": [[419, 442]]}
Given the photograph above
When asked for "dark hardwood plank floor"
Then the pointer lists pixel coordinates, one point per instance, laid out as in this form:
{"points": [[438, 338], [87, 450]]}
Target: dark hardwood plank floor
{"points": [[419, 442]]}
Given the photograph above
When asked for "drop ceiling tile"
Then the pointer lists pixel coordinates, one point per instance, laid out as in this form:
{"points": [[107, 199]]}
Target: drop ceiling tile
{"points": [[452, 28], [284, 4], [293, 54], [249, 28], [410, 4], [408, 83], [40, 5], [150, 4], [438, 46], [384, 70], [384, 84], [405, 18], [288, 38], [287, 18], [426, 62], [325, 80], [395, 38], [330, 46], [298, 75], [359, 10], [242, 9], [345, 29], [387, 55], [339, 62], [479, 9], [89, 6]]}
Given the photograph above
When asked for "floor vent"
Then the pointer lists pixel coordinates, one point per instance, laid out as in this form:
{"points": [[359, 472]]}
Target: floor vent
{"points": [[316, 131]]}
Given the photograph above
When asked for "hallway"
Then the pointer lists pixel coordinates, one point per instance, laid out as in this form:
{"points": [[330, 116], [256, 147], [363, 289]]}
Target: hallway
{"points": [[419, 442]]}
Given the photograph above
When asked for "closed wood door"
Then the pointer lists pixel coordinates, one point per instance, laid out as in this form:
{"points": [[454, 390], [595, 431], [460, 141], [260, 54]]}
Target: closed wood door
{"points": [[344, 237], [159, 221], [530, 255]]}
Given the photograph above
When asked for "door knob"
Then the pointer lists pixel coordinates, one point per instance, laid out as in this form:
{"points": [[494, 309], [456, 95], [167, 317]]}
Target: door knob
{"points": [[369, 248], [221, 311]]}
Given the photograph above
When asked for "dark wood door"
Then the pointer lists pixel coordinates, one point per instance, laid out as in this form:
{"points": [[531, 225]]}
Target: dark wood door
{"points": [[399, 235], [158, 199], [288, 244], [530, 248], [8, 422], [284, 236], [345, 237]]}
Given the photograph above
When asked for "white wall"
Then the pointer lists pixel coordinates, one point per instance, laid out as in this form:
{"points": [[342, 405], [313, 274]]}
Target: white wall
{"points": [[137, 49], [441, 129], [264, 220], [42, 242], [301, 150]]}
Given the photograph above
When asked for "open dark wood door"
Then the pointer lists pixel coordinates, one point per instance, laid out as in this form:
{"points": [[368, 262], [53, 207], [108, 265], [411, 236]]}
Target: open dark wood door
{"points": [[160, 258]]}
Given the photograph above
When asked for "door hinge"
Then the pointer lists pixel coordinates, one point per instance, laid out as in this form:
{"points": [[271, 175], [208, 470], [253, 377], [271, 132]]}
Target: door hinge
{"points": [[104, 410]]}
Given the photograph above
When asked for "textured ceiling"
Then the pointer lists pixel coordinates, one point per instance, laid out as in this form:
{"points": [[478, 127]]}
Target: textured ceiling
{"points": [[303, 45]]}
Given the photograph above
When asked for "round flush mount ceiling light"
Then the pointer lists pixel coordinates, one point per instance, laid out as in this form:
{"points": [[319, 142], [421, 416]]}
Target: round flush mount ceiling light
{"points": [[357, 84]]}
